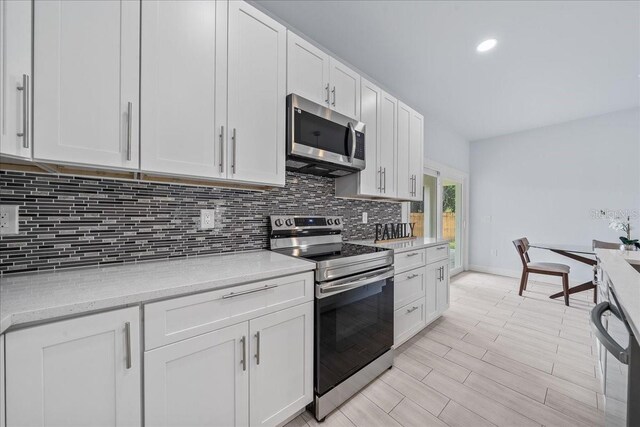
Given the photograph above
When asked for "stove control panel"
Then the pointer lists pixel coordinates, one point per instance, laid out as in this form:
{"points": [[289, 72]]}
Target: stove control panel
{"points": [[292, 222]]}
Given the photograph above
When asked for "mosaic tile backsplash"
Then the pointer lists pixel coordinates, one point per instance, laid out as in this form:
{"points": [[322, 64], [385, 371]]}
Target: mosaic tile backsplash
{"points": [[78, 221]]}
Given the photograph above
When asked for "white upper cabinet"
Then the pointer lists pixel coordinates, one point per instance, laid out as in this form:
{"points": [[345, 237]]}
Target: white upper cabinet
{"points": [[307, 70], [370, 105], [345, 89], [183, 87], [313, 74], [82, 372], [15, 75], [281, 357], [416, 153], [257, 95], [87, 57], [200, 381], [388, 144]]}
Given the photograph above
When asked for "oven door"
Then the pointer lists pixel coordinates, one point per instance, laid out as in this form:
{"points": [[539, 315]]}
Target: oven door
{"points": [[353, 325], [322, 135]]}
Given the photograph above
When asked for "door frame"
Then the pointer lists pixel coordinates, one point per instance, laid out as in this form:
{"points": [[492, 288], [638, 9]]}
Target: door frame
{"points": [[442, 172]]}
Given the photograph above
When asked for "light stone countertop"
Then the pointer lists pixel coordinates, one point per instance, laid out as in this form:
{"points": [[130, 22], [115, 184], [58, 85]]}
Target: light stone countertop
{"points": [[404, 245], [625, 281], [36, 297]]}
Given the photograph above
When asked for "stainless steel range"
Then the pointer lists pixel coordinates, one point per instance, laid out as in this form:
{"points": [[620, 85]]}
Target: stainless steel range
{"points": [[353, 307]]}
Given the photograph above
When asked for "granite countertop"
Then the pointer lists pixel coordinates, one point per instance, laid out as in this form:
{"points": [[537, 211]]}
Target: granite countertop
{"points": [[35, 297], [404, 245], [625, 281]]}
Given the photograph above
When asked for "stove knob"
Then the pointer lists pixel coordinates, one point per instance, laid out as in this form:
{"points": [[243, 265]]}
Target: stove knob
{"points": [[278, 222], [289, 222], [337, 221], [330, 222]]}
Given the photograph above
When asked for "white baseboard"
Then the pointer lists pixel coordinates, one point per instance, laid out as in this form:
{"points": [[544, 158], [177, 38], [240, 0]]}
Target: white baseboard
{"points": [[518, 273]]}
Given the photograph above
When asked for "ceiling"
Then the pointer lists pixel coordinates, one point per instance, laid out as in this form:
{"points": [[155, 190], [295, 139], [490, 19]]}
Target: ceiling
{"points": [[555, 60]]}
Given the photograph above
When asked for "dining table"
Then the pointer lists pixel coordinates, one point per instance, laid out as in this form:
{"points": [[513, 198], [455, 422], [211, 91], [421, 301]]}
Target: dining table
{"points": [[578, 253]]}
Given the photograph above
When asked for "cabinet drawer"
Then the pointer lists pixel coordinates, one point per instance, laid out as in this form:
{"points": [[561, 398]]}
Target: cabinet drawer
{"points": [[409, 260], [408, 286], [179, 318], [408, 320], [437, 253]]}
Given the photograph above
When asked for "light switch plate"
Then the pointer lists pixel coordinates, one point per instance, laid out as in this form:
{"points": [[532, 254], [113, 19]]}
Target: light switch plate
{"points": [[9, 220], [207, 218]]}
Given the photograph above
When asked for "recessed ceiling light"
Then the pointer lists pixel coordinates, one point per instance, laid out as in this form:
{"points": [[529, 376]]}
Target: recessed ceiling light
{"points": [[487, 45]]}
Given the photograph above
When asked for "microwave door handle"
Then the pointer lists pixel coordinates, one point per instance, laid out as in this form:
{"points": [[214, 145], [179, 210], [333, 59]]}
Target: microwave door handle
{"points": [[353, 142], [616, 350]]}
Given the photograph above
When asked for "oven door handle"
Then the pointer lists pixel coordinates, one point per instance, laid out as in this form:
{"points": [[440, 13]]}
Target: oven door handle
{"points": [[620, 353], [353, 142], [343, 285]]}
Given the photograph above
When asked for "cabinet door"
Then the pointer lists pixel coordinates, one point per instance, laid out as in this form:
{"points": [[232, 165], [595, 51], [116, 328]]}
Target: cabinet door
{"points": [[257, 92], [2, 393], [15, 51], [79, 372], [307, 70], [201, 381], [370, 103], [404, 140], [387, 146], [86, 56], [183, 94], [431, 297], [416, 147], [281, 364], [345, 89], [443, 286]]}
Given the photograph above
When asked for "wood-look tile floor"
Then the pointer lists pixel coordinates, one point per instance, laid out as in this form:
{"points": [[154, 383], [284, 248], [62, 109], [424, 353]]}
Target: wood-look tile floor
{"points": [[493, 359]]}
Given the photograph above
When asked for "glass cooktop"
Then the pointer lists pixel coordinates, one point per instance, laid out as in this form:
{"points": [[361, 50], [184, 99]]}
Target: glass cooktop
{"points": [[331, 251]]}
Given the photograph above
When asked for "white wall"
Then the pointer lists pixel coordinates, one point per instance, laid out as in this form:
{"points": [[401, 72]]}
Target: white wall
{"points": [[444, 146], [545, 184]]}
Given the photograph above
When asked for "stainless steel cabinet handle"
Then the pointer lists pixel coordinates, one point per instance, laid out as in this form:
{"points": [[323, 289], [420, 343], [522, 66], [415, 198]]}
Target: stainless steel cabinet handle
{"points": [[616, 350], [380, 179], [327, 89], [441, 248], [243, 340], [233, 139], [221, 148], [413, 254], [384, 172], [250, 291], [411, 276], [129, 122], [25, 111], [127, 340], [333, 91], [258, 348], [412, 309]]}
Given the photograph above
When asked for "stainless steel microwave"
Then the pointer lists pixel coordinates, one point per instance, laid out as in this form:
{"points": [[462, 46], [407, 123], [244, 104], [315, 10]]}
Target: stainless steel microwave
{"points": [[321, 141]]}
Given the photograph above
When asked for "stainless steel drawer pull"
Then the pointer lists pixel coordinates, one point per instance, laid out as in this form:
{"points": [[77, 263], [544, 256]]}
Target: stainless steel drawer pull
{"points": [[441, 248], [234, 140], [411, 276], [129, 122], [250, 291], [243, 340], [221, 148], [413, 254], [258, 348], [412, 309], [25, 110], [127, 340]]}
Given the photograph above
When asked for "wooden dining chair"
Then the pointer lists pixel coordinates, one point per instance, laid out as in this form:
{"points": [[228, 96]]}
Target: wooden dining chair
{"points": [[547, 268]]}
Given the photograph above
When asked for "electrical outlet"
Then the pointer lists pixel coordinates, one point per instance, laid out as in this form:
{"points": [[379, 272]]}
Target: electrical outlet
{"points": [[9, 216], [365, 217], [207, 218]]}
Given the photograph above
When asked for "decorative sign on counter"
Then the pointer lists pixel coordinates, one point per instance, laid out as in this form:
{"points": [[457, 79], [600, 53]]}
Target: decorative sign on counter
{"points": [[394, 231]]}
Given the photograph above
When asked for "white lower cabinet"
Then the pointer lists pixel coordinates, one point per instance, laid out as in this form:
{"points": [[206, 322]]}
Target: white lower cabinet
{"points": [[257, 372], [281, 355], [79, 372], [201, 381], [421, 294]]}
